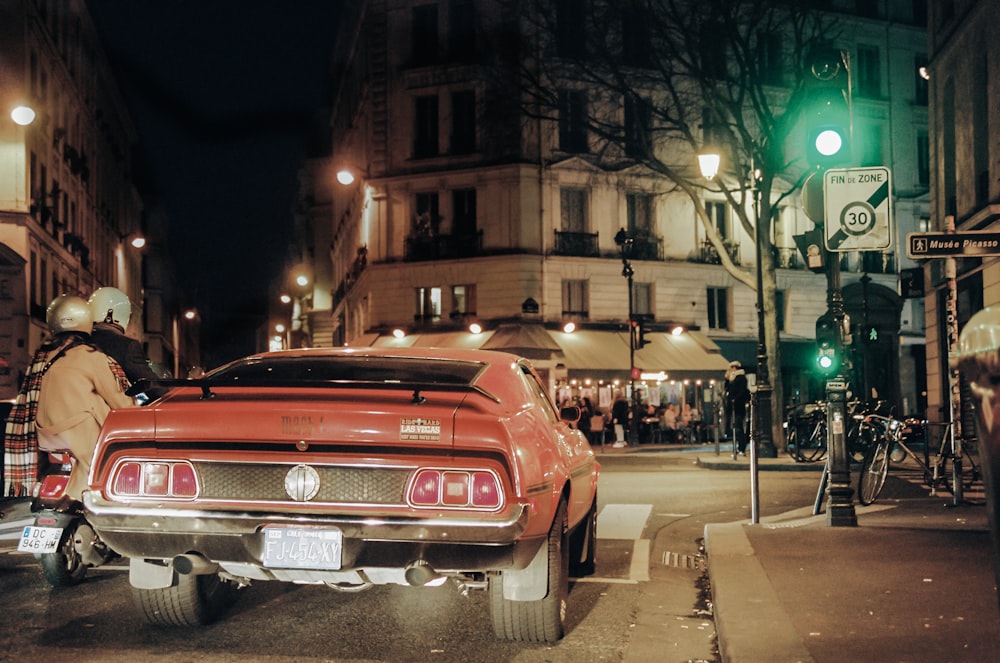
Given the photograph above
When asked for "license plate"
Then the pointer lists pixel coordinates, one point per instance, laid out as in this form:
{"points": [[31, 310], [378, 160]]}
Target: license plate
{"points": [[40, 539], [302, 548]]}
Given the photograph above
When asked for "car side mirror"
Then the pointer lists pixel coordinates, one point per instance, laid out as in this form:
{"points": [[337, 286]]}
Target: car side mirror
{"points": [[570, 414]]}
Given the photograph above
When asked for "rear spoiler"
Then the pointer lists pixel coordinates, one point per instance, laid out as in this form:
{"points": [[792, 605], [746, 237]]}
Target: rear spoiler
{"points": [[208, 386]]}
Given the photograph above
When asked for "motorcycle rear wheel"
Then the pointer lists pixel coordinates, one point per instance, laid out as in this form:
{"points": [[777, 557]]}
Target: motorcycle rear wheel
{"points": [[65, 567]]}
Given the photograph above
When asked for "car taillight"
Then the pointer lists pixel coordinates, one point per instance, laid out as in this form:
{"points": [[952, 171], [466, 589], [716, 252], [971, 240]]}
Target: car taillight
{"points": [[53, 485], [478, 489], [163, 479]]}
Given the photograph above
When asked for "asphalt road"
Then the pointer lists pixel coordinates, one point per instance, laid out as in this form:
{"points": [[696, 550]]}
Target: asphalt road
{"points": [[648, 597]]}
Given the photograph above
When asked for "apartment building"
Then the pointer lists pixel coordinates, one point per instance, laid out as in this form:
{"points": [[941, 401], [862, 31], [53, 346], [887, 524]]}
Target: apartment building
{"points": [[462, 208]]}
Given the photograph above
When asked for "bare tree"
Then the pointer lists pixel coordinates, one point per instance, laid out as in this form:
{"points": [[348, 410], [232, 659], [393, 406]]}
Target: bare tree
{"points": [[662, 81]]}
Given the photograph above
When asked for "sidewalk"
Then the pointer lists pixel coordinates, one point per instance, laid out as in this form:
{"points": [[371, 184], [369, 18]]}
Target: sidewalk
{"points": [[912, 582]]}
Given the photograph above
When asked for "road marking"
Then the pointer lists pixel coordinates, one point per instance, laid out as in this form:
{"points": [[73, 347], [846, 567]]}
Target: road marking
{"points": [[622, 521]]}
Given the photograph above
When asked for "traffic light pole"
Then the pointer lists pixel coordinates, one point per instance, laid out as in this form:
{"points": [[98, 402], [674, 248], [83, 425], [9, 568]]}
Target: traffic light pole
{"points": [[840, 505]]}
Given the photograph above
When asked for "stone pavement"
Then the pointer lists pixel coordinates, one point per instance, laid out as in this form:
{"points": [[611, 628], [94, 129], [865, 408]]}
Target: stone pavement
{"points": [[914, 581]]}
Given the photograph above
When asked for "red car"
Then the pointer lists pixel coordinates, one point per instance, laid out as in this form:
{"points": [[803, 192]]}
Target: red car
{"points": [[351, 468]]}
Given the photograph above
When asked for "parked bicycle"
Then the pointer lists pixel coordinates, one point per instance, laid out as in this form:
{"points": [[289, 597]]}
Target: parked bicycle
{"points": [[806, 433], [895, 446]]}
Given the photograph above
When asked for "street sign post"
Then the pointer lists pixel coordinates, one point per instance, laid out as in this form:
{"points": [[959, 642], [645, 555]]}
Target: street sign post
{"points": [[953, 245], [858, 208]]}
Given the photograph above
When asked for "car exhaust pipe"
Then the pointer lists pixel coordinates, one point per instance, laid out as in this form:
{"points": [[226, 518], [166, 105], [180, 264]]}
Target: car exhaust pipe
{"points": [[192, 564], [420, 574]]}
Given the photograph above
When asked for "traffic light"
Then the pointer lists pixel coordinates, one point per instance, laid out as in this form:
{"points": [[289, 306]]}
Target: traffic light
{"points": [[827, 111], [638, 334], [828, 348]]}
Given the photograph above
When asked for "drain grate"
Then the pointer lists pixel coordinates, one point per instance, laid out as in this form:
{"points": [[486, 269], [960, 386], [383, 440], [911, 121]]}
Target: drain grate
{"points": [[677, 560]]}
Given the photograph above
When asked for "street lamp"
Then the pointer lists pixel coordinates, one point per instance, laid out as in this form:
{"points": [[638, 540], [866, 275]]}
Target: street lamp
{"points": [[762, 424]]}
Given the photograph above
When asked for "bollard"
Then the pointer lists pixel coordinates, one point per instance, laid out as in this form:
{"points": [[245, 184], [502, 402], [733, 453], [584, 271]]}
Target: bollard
{"points": [[979, 362]]}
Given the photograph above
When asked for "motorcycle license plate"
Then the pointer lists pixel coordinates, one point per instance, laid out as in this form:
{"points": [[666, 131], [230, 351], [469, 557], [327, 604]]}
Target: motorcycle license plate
{"points": [[39, 539], [302, 548]]}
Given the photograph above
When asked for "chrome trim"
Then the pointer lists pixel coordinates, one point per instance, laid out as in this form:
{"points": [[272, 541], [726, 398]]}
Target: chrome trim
{"points": [[157, 519]]}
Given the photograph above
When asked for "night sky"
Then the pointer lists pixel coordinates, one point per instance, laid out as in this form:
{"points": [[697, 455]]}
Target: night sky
{"points": [[226, 96]]}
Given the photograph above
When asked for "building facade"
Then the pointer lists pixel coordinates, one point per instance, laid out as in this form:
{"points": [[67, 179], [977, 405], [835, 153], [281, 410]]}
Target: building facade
{"points": [[462, 210], [69, 208], [965, 179]]}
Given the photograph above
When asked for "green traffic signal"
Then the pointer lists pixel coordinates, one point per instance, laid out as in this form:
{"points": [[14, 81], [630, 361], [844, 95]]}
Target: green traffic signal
{"points": [[829, 142]]}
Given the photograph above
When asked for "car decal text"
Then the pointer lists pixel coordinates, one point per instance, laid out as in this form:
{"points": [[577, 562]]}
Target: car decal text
{"points": [[419, 429]]}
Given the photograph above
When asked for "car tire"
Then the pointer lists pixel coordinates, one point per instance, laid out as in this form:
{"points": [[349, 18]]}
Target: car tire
{"points": [[543, 620], [583, 545], [65, 567], [194, 600]]}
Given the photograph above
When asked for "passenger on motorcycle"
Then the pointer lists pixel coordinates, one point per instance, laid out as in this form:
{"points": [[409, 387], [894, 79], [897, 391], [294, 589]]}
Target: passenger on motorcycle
{"points": [[79, 388]]}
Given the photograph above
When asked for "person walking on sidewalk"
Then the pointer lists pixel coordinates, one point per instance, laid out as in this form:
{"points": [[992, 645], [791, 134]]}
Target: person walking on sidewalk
{"points": [[619, 418], [736, 397]]}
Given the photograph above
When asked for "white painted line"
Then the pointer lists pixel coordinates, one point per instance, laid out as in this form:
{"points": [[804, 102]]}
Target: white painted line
{"points": [[640, 561], [610, 581], [622, 521]]}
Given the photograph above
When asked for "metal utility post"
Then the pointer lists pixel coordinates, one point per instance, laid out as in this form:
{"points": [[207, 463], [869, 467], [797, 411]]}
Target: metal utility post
{"points": [[625, 243], [840, 505]]}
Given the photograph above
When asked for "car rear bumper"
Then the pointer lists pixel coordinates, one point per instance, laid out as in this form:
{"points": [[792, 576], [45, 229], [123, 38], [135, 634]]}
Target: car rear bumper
{"points": [[484, 542]]}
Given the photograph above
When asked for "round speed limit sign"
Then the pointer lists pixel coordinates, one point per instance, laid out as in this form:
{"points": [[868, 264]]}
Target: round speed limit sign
{"points": [[857, 218]]}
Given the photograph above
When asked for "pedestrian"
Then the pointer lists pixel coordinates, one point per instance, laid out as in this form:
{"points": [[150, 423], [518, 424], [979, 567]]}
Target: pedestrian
{"points": [[619, 419], [737, 395], [586, 414], [79, 388]]}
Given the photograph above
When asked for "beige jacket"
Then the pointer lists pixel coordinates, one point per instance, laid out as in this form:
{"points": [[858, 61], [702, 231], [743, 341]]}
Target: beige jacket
{"points": [[78, 391]]}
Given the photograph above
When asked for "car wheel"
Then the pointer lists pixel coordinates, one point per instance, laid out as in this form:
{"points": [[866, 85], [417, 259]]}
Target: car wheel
{"points": [[65, 567], [543, 620], [583, 545], [193, 600]]}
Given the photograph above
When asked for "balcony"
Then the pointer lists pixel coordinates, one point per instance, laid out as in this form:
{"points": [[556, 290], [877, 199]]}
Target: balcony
{"points": [[582, 245], [443, 247], [646, 246], [709, 255]]}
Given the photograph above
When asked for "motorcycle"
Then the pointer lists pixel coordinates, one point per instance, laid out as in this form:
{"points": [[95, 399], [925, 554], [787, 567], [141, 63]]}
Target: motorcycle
{"points": [[61, 538]]}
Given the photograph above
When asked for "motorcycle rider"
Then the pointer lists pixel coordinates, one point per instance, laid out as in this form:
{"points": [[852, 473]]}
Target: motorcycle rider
{"points": [[111, 311], [79, 389]]}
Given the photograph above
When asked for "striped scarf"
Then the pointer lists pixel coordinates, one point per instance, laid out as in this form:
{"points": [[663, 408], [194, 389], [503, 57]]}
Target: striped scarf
{"points": [[20, 464]]}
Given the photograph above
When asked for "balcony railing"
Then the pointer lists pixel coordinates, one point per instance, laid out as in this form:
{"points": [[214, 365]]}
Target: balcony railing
{"points": [[647, 247], [582, 245], [709, 255], [443, 247]]}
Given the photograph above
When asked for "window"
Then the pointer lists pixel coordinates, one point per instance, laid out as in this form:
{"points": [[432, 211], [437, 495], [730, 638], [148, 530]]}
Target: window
{"points": [[779, 308], [573, 210], [463, 122], [920, 83], [464, 212], [427, 219], [642, 299], [428, 304], [713, 53], [718, 212], [638, 141], [425, 127], [769, 62], [868, 145], [574, 297], [463, 300], [636, 42], [718, 308], [462, 31], [713, 132], [923, 159], [572, 121], [869, 72], [569, 28], [425, 35], [639, 207]]}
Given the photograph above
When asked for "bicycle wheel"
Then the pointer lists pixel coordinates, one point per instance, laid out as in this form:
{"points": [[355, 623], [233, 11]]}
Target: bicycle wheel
{"points": [[873, 472], [814, 448]]}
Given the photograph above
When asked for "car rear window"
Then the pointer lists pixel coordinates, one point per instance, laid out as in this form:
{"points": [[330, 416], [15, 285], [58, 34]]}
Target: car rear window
{"points": [[406, 370]]}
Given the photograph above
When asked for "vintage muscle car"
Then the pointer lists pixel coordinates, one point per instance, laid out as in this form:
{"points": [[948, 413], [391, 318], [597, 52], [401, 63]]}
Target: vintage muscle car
{"points": [[351, 468]]}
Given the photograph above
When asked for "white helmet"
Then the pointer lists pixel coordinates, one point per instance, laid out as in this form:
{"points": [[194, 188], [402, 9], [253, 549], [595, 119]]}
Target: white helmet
{"points": [[67, 313], [110, 305]]}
